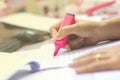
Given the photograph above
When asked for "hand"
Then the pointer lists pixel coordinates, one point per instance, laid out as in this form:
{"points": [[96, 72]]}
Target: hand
{"points": [[81, 33], [102, 59]]}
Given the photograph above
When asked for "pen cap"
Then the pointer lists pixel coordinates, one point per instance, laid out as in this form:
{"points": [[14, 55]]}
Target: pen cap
{"points": [[68, 20]]}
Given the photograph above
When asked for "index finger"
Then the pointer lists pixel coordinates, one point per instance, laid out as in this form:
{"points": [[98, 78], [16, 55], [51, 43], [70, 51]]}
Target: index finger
{"points": [[54, 29], [95, 66]]}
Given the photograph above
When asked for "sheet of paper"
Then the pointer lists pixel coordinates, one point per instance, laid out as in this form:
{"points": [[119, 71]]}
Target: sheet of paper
{"points": [[44, 57], [107, 75], [69, 74], [9, 64]]}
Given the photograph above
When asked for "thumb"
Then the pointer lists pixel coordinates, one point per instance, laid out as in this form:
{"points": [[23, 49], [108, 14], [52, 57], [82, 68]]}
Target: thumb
{"points": [[64, 32]]}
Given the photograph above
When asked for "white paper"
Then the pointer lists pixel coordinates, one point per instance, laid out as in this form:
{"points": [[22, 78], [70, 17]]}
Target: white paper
{"points": [[9, 64], [44, 56]]}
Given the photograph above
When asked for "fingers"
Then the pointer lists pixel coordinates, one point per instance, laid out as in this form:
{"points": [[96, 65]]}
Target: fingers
{"points": [[67, 30], [88, 55], [75, 42], [61, 33], [82, 62], [89, 63], [54, 29], [93, 67]]}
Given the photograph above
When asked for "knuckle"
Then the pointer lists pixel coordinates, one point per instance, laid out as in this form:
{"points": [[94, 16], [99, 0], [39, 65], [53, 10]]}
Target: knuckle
{"points": [[62, 31]]}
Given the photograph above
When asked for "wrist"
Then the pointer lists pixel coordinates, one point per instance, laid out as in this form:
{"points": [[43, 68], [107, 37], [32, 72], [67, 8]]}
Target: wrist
{"points": [[101, 32], [108, 30]]}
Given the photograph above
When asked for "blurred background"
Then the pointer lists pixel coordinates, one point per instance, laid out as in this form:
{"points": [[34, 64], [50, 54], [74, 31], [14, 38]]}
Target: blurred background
{"points": [[57, 8]]}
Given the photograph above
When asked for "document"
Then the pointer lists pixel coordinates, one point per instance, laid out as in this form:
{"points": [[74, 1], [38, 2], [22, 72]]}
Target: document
{"points": [[9, 64], [45, 57]]}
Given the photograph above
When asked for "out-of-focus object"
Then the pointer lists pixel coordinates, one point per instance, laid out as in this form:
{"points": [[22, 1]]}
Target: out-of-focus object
{"points": [[105, 7], [73, 7], [14, 6], [3, 7], [29, 36], [49, 8], [53, 8], [31, 7], [9, 45], [31, 21], [23, 38], [16, 37]]}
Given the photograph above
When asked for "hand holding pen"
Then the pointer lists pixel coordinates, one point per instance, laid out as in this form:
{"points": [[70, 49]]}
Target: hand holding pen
{"points": [[92, 33], [68, 20], [81, 33]]}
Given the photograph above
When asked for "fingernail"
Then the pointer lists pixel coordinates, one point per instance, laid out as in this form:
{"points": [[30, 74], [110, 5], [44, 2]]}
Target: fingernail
{"points": [[70, 65], [76, 59], [78, 71]]}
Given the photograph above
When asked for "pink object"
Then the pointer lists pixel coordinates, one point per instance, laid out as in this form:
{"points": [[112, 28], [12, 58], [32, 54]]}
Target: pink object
{"points": [[3, 13], [90, 10], [68, 20]]}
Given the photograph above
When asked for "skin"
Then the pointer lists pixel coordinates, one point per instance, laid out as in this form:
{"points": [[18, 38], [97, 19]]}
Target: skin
{"points": [[85, 33], [110, 60]]}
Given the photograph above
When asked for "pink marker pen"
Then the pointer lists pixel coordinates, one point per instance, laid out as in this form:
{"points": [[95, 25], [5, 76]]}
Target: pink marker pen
{"points": [[68, 20]]}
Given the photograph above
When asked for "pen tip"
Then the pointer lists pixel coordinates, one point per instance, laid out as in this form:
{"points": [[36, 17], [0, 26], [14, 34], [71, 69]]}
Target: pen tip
{"points": [[56, 50], [55, 53]]}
